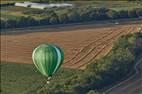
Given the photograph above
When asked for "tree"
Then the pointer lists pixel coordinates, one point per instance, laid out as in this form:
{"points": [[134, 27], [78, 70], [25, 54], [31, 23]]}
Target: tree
{"points": [[11, 23], [53, 18], [22, 21], [2, 23], [45, 21], [73, 16], [31, 21], [63, 18], [123, 14], [102, 13], [132, 13], [84, 14], [112, 14], [94, 15], [139, 12]]}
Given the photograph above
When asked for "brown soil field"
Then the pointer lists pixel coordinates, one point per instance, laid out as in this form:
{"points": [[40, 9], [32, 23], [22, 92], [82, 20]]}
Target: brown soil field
{"points": [[80, 46]]}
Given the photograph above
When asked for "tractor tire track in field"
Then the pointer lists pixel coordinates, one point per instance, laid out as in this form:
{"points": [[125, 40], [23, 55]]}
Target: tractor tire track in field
{"points": [[82, 65], [85, 47], [92, 54], [94, 51], [106, 34], [93, 45]]}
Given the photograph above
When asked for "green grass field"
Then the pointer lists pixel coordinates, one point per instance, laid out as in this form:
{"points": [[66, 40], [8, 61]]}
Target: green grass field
{"points": [[109, 4], [25, 79]]}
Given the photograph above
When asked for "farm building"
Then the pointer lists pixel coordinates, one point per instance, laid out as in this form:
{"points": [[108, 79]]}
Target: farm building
{"points": [[42, 6], [36, 5], [22, 4], [60, 5], [39, 6]]}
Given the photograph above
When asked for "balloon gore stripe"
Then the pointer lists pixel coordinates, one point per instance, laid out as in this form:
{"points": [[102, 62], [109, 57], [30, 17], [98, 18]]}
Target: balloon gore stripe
{"points": [[59, 58]]}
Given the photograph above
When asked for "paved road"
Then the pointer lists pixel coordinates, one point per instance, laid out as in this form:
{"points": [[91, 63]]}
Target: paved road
{"points": [[132, 85]]}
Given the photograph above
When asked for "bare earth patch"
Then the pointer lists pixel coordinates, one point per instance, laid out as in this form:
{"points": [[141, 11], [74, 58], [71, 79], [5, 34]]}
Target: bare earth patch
{"points": [[81, 46]]}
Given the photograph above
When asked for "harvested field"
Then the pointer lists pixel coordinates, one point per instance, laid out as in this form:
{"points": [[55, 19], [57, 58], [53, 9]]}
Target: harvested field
{"points": [[81, 46]]}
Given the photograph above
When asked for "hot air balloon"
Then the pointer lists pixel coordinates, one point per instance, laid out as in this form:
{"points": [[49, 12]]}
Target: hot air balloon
{"points": [[48, 59]]}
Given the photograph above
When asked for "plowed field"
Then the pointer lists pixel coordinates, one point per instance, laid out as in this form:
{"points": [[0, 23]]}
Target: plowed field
{"points": [[81, 46]]}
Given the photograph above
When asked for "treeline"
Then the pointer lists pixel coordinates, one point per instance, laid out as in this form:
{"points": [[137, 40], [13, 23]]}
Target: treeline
{"points": [[103, 72], [68, 15], [7, 4]]}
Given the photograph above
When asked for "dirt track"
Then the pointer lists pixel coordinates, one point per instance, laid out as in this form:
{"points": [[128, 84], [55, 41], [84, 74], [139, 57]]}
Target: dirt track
{"points": [[81, 46], [132, 85]]}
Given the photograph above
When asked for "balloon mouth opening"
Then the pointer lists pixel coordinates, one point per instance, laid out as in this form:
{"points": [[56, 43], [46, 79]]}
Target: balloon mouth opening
{"points": [[49, 78]]}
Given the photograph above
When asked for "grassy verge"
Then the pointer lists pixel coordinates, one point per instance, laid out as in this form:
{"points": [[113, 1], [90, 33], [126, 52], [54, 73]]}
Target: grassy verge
{"points": [[25, 79]]}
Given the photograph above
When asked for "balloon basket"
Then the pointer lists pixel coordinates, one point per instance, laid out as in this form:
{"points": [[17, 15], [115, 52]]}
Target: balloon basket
{"points": [[48, 80]]}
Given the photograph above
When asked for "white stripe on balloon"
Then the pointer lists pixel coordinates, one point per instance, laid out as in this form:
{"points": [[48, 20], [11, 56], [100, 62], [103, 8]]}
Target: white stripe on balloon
{"points": [[59, 58]]}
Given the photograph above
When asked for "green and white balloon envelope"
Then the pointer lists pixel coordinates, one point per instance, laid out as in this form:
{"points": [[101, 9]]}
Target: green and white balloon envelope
{"points": [[48, 59]]}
